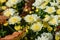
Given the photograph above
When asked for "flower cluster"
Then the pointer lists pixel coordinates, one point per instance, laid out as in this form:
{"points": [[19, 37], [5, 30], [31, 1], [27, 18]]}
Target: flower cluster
{"points": [[41, 19]]}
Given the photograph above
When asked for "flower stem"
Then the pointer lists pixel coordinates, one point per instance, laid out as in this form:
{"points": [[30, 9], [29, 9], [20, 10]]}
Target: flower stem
{"points": [[11, 28]]}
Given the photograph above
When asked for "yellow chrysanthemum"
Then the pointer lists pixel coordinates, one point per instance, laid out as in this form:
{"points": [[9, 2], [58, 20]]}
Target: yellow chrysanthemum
{"points": [[4, 7], [2, 1], [5, 24], [57, 37], [49, 28], [45, 24], [58, 11], [27, 30], [17, 28]]}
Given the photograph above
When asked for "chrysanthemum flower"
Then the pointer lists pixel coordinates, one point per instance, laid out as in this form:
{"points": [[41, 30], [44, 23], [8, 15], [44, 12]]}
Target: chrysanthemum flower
{"points": [[14, 19], [50, 10], [31, 18], [37, 26], [9, 12]]}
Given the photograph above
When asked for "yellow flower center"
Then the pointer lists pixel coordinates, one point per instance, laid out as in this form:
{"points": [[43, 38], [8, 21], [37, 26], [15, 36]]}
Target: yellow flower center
{"points": [[14, 20], [49, 28], [50, 9], [45, 24], [30, 18], [36, 27]]}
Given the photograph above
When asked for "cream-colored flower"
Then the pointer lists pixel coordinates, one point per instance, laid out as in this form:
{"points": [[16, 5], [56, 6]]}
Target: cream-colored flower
{"points": [[10, 3], [40, 4], [37, 3], [31, 18], [14, 19], [47, 18], [14, 1], [53, 20], [50, 10], [37, 26], [9, 12], [53, 3], [43, 5]]}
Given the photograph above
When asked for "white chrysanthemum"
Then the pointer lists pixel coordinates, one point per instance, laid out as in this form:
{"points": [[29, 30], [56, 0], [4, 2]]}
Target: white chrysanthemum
{"points": [[45, 36], [50, 10], [37, 26], [47, 18], [53, 20], [10, 3], [41, 38], [53, 4], [9, 12], [31, 18], [14, 19]]}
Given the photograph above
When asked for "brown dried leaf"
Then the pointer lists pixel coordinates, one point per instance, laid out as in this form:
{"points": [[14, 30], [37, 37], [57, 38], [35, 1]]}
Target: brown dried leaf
{"points": [[28, 5], [15, 36], [2, 19]]}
